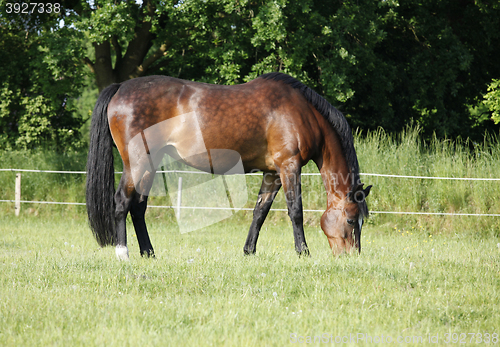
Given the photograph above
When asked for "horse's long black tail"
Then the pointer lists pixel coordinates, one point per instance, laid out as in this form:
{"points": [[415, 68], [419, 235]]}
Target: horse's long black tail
{"points": [[100, 172]]}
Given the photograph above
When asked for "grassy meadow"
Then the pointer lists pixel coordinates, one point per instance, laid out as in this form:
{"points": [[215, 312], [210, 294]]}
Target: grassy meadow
{"points": [[59, 288], [417, 276]]}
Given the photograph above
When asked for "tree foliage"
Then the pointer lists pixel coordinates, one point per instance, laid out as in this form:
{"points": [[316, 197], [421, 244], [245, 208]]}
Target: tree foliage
{"points": [[38, 77], [492, 100], [384, 63]]}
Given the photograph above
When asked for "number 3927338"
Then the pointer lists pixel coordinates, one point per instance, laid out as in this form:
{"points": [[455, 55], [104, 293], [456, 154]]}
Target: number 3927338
{"points": [[33, 7]]}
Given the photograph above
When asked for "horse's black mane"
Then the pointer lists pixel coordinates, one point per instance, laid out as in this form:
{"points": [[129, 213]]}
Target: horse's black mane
{"points": [[333, 116]]}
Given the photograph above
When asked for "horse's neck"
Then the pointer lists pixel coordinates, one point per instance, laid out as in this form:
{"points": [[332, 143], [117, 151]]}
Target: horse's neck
{"points": [[334, 171]]}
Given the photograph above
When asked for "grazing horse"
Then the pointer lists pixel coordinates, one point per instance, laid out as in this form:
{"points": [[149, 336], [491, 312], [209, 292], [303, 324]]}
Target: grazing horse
{"points": [[275, 123]]}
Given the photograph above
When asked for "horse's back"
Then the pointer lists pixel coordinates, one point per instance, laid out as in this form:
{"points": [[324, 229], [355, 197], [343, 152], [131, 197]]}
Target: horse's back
{"points": [[256, 119]]}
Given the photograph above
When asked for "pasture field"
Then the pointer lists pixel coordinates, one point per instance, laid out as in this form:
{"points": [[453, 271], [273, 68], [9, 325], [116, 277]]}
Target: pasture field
{"points": [[58, 288], [418, 277]]}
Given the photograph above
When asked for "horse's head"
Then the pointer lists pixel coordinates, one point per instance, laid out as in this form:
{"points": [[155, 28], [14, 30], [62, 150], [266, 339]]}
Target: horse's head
{"points": [[342, 221]]}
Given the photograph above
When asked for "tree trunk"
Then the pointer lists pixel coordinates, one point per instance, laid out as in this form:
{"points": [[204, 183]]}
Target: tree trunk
{"points": [[131, 64], [102, 68]]}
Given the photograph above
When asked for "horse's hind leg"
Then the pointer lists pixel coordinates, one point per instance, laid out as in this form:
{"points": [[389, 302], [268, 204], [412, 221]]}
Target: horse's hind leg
{"points": [[137, 211], [123, 200], [270, 186], [127, 198]]}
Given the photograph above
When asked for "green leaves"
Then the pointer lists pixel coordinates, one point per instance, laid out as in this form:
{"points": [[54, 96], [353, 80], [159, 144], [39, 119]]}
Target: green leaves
{"points": [[383, 63], [110, 18], [269, 25], [492, 100], [36, 81]]}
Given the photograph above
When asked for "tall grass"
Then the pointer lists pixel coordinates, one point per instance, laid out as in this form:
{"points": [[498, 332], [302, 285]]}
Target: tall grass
{"points": [[378, 152], [408, 154], [45, 186]]}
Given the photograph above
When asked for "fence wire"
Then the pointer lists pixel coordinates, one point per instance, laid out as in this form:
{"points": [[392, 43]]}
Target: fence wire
{"points": [[276, 209]]}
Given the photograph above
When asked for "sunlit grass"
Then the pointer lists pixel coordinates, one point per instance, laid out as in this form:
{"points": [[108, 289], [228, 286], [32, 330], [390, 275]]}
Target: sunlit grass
{"points": [[407, 154], [57, 287]]}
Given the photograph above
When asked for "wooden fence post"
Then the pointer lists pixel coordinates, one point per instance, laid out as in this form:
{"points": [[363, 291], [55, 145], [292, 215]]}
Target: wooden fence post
{"points": [[179, 199], [18, 194]]}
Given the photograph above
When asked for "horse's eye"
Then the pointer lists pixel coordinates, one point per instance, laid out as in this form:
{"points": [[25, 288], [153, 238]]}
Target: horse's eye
{"points": [[351, 222]]}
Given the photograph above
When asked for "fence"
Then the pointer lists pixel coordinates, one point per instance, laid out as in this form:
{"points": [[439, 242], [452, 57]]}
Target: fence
{"points": [[17, 199]]}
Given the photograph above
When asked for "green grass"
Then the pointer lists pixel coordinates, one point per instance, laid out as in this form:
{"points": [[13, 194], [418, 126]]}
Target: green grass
{"points": [[43, 186], [407, 154], [57, 287]]}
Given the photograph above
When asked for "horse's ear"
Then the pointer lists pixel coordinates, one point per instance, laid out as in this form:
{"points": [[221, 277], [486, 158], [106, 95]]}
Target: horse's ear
{"points": [[351, 196], [367, 190]]}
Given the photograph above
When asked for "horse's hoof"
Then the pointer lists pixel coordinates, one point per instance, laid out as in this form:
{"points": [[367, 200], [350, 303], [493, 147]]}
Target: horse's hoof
{"points": [[248, 252], [148, 253], [122, 252]]}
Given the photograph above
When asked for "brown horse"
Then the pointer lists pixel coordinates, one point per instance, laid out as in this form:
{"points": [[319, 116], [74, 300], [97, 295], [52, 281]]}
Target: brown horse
{"points": [[275, 123]]}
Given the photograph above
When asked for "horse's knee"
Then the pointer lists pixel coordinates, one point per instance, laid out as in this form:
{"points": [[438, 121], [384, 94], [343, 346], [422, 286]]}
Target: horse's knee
{"points": [[121, 205]]}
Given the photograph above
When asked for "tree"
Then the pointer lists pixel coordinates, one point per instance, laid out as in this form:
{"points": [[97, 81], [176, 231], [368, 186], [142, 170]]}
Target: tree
{"points": [[122, 34], [383, 63], [35, 86]]}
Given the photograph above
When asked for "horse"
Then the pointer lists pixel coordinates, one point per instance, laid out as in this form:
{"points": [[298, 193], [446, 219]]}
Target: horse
{"points": [[275, 123]]}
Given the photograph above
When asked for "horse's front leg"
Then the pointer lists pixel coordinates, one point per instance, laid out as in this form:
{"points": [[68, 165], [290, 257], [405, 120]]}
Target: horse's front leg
{"points": [[290, 178], [271, 184]]}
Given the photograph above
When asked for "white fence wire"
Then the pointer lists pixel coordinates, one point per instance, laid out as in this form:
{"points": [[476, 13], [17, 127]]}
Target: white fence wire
{"points": [[17, 201]]}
